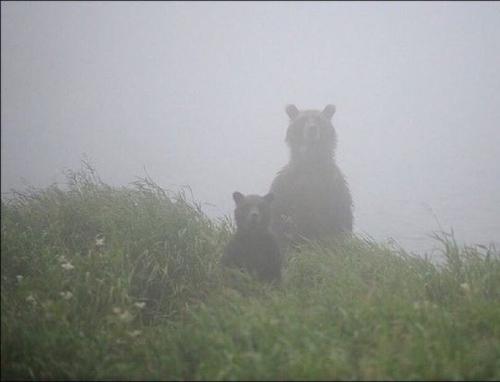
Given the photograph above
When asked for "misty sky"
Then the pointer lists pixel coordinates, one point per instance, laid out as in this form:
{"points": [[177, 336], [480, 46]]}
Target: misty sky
{"points": [[195, 93]]}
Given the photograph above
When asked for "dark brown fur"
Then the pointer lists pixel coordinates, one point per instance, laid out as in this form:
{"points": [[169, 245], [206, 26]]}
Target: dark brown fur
{"points": [[312, 196], [253, 247]]}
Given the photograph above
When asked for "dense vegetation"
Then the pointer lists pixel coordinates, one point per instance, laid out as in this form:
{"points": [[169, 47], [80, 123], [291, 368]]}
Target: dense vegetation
{"points": [[103, 282]]}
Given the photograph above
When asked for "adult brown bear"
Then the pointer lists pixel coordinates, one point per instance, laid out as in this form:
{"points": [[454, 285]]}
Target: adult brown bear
{"points": [[312, 198]]}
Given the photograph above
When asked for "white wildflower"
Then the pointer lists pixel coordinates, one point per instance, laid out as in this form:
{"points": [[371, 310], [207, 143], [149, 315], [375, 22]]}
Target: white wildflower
{"points": [[125, 316], [31, 299], [19, 278], [99, 240], [140, 305], [134, 333], [465, 287], [67, 266], [66, 295]]}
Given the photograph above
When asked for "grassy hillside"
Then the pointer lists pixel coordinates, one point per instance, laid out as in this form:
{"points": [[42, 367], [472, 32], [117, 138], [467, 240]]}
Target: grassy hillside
{"points": [[102, 282]]}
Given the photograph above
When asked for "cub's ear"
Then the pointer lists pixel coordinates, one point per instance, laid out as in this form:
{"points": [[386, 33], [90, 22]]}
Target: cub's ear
{"points": [[328, 111], [269, 197], [292, 111], [238, 197]]}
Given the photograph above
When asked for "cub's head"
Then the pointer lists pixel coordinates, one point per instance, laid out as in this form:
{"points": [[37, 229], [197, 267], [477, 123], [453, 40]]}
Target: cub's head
{"points": [[311, 135], [253, 212]]}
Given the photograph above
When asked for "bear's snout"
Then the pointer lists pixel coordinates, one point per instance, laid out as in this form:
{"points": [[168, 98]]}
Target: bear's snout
{"points": [[254, 216], [311, 133]]}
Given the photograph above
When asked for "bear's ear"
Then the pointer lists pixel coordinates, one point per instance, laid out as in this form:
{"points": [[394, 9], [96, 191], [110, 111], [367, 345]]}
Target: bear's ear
{"points": [[292, 111], [328, 111], [238, 197], [269, 197]]}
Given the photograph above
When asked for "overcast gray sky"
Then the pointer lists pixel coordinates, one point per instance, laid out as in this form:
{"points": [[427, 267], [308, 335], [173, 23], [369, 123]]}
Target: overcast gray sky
{"points": [[195, 93]]}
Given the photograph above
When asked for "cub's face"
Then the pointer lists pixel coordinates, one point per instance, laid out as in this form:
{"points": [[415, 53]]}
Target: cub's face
{"points": [[310, 133], [252, 212]]}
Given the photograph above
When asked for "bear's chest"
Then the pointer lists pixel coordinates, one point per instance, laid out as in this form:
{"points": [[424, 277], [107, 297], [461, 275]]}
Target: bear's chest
{"points": [[310, 199], [312, 186]]}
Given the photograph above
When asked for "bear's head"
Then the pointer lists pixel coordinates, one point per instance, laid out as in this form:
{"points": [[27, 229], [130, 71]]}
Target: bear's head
{"points": [[310, 135], [253, 212]]}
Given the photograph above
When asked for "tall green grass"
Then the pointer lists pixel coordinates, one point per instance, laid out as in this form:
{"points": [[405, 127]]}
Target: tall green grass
{"points": [[101, 282]]}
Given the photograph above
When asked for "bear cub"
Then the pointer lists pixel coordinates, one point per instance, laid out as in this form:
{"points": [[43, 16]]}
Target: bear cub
{"points": [[253, 247]]}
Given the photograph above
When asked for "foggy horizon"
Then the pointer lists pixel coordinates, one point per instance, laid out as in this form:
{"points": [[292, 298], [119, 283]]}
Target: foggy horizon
{"points": [[195, 93]]}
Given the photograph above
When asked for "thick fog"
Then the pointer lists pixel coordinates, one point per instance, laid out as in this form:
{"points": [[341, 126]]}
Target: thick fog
{"points": [[195, 94]]}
